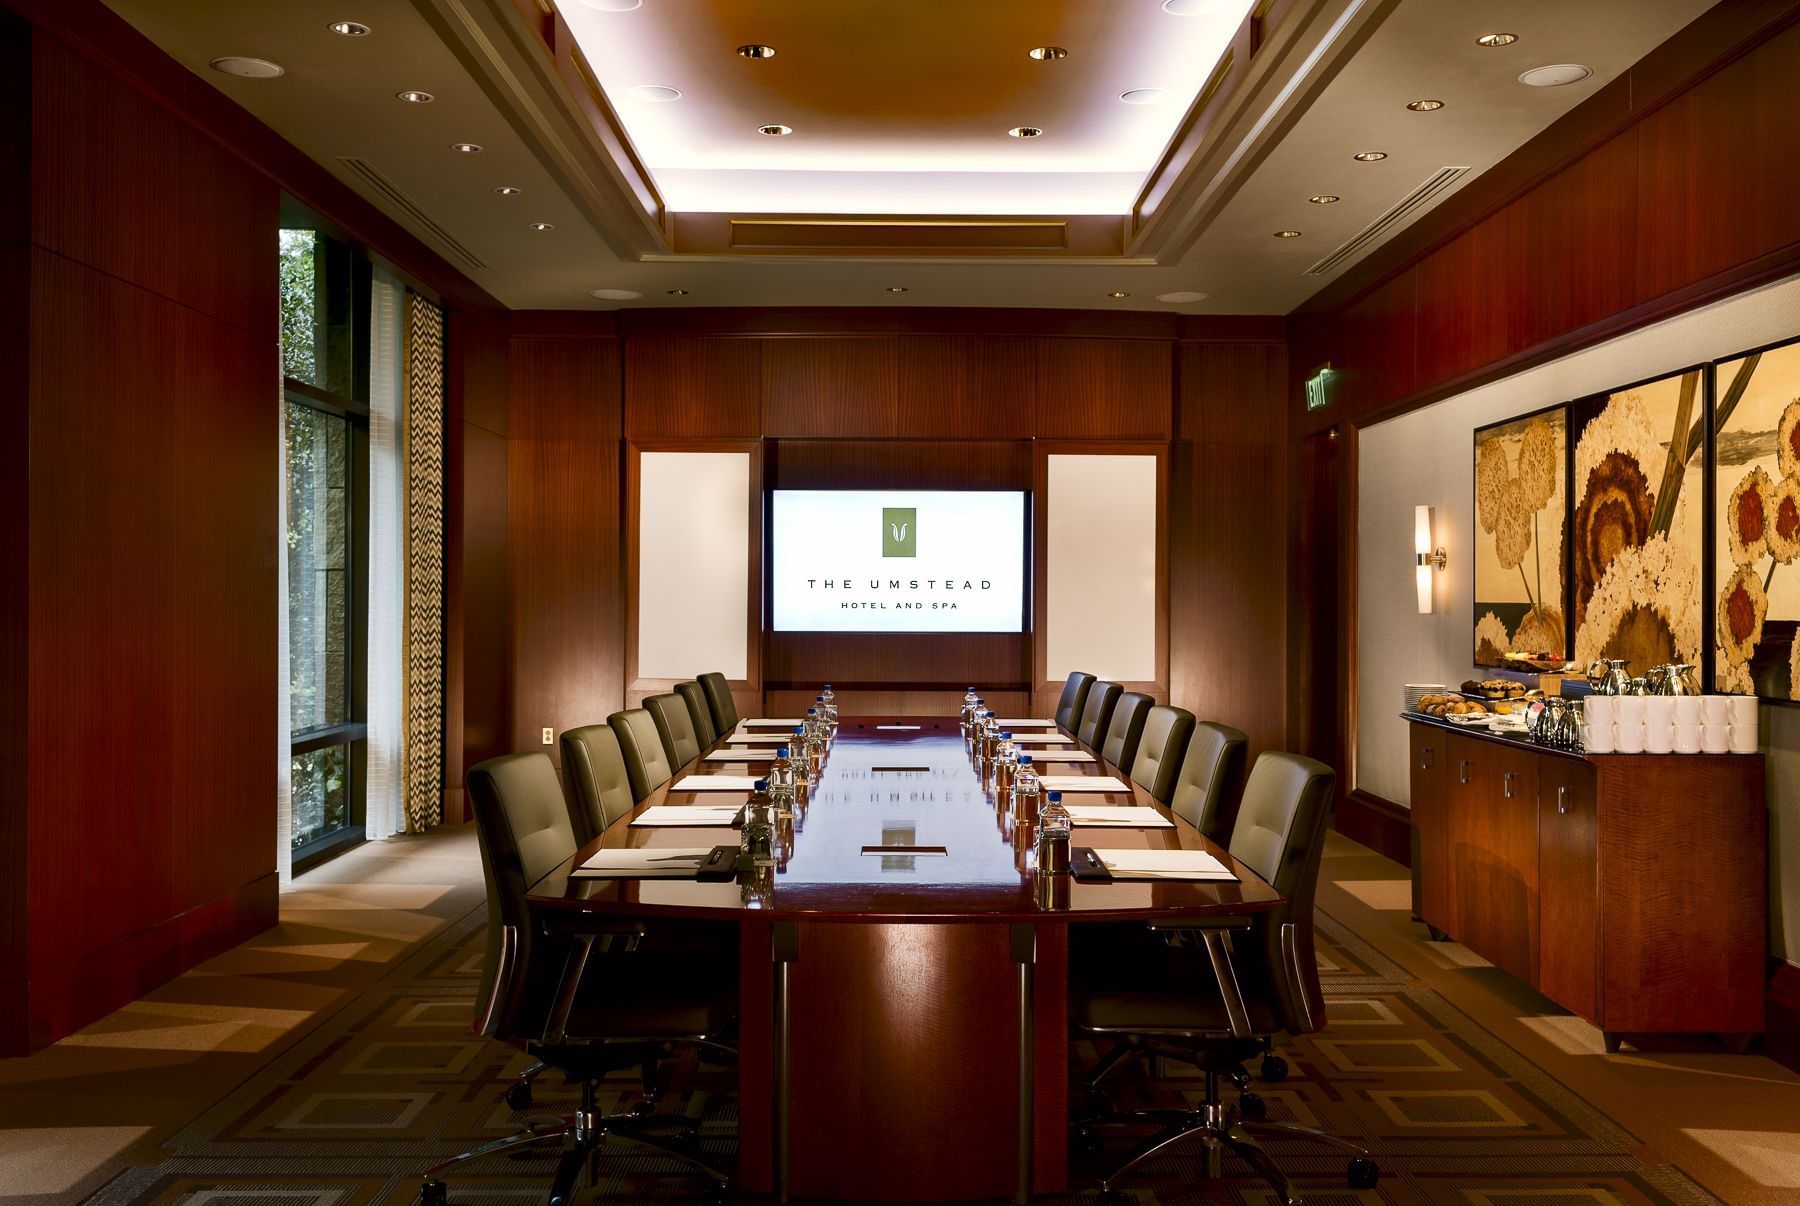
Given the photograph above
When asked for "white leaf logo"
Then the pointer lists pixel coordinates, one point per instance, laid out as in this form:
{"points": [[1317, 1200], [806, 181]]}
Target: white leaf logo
{"points": [[899, 531]]}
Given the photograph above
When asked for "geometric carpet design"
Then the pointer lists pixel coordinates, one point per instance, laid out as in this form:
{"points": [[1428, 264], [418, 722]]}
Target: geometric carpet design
{"points": [[395, 1081]]}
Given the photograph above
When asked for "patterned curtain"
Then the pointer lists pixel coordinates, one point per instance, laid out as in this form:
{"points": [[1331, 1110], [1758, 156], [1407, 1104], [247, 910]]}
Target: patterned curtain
{"points": [[424, 667]]}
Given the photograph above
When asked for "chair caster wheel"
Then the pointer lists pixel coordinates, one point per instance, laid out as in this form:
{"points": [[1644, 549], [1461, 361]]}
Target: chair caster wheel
{"points": [[1363, 1173], [1251, 1105], [518, 1095], [1274, 1069], [434, 1193], [1111, 1197]]}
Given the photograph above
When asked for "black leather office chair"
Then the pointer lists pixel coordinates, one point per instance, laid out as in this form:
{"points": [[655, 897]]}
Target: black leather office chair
{"points": [[1164, 998], [646, 760], [1096, 712], [1206, 788], [1074, 698], [551, 993], [1125, 730], [695, 698], [675, 727], [594, 773], [1160, 750], [719, 701]]}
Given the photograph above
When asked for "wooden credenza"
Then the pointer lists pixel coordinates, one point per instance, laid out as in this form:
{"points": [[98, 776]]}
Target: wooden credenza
{"points": [[1631, 889]]}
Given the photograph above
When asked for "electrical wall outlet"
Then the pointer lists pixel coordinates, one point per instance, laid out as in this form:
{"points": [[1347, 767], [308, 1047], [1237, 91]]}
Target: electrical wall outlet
{"points": [[549, 735]]}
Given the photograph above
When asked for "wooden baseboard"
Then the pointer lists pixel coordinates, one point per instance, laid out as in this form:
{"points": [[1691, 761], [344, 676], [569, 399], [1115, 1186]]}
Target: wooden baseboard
{"points": [[80, 992], [1781, 1034], [1382, 825]]}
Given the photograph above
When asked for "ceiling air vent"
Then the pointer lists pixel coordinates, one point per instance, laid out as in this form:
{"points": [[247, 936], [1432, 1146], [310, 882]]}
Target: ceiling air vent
{"points": [[417, 218], [1385, 225]]}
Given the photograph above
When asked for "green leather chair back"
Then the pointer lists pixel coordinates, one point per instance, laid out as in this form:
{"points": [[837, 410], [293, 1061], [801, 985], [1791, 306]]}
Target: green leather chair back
{"points": [[719, 702], [675, 727], [1074, 698], [1209, 775], [1160, 749], [646, 761], [1096, 712], [1280, 834], [698, 712], [524, 831], [594, 774], [1119, 745]]}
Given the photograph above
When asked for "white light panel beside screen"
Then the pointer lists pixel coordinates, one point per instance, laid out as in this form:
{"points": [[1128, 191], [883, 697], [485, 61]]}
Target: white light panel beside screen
{"points": [[1100, 568], [693, 564], [831, 570]]}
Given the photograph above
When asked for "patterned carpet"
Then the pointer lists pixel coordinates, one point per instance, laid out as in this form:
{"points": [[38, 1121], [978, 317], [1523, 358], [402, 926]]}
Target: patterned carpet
{"points": [[394, 1081]]}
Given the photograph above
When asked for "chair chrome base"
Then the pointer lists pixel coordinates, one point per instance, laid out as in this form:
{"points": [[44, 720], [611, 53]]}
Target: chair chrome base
{"points": [[1222, 1128], [582, 1135]]}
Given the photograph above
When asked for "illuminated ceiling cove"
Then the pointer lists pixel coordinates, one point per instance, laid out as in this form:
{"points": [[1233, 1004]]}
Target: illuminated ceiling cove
{"points": [[902, 106]]}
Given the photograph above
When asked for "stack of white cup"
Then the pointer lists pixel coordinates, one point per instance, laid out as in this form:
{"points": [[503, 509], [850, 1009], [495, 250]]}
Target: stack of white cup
{"points": [[1669, 724]]}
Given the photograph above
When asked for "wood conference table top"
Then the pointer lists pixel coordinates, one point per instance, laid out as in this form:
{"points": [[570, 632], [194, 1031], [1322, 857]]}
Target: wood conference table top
{"points": [[888, 784]]}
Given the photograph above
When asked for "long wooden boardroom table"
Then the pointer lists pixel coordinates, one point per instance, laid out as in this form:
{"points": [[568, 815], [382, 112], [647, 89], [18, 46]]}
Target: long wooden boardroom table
{"points": [[904, 1016]]}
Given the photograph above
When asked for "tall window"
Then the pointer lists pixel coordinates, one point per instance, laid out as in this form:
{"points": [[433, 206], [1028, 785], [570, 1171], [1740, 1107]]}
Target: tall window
{"points": [[324, 355]]}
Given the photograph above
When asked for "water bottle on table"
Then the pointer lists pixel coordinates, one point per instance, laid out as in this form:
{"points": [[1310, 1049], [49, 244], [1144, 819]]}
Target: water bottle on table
{"points": [[1025, 791], [1055, 831]]}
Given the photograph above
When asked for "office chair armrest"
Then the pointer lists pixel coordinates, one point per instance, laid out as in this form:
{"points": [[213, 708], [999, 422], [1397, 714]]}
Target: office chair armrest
{"points": [[502, 981]]}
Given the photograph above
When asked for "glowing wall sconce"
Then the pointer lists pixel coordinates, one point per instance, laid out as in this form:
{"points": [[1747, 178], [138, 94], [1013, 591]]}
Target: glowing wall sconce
{"points": [[1427, 557]]}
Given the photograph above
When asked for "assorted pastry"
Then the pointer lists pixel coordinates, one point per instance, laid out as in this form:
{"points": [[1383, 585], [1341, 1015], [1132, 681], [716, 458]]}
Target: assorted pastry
{"points": [[1451, 705]]}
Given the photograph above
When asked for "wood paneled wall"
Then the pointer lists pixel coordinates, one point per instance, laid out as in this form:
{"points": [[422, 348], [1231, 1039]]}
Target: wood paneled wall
{"points": [[896, 399], [144, 480], [1669, 188]]}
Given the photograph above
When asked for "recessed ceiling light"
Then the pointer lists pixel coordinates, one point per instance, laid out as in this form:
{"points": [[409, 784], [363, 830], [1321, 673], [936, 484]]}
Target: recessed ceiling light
{"points": [[755, 50], [1047, 54], [1496, 39], [1182, 296], [1424, 106], [1325, 199], [507, 190], [350, 29], [542, 226], [1287, 234], [1369, 156], [1555, 75], [1117, 294], [676, 292], [466, 148], [1187, 8], [896, 288], [655, 92], [775, 130], [616, 294], [1144, 96], [414, 96], [250, 69], [614, 6], [1026, 132]]}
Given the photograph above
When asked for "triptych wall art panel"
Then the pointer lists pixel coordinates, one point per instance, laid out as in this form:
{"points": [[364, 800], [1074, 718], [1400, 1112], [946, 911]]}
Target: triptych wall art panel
{"points": [[1658, 522]]}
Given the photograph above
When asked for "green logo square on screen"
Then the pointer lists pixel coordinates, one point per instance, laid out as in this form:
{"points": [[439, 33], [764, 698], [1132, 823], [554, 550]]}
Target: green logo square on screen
{"points": [[899, 532]]}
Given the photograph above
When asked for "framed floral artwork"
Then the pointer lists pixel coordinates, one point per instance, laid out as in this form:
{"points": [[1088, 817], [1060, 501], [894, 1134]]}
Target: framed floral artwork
{"points": [[1520, 514], [1756, 476], [1637, 522]]}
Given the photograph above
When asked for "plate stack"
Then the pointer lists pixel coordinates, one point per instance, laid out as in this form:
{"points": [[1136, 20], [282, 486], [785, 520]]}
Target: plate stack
{"points": [[1416, 690]]}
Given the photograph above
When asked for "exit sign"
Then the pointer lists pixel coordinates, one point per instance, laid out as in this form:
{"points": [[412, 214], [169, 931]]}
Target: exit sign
{"points": [[1318, 388]]}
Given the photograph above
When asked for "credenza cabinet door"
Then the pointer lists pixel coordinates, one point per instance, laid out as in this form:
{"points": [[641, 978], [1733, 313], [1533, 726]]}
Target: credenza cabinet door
{"points": [[1493, 852], [1568, 891], [1430, 816]]}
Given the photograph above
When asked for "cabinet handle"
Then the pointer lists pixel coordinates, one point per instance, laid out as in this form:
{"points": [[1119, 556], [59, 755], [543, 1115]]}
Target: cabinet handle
{"points": [[1562, 799], [1462, 770], [1507, 780], [1425, 758]]}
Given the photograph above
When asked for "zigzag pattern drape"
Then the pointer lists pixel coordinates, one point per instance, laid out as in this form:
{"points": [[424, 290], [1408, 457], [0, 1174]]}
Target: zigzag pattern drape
{"points": [[424, 692]]}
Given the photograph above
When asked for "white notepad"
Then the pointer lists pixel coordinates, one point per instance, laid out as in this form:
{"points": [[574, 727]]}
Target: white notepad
{"points": [[745, 755], [1040, 757], [1025, 724], [710, 816], [647, 863], [769, 739], [1164, 864], [1117, 816], [767, 723], [1082, 783], [715, 783], [1042, 739]]}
